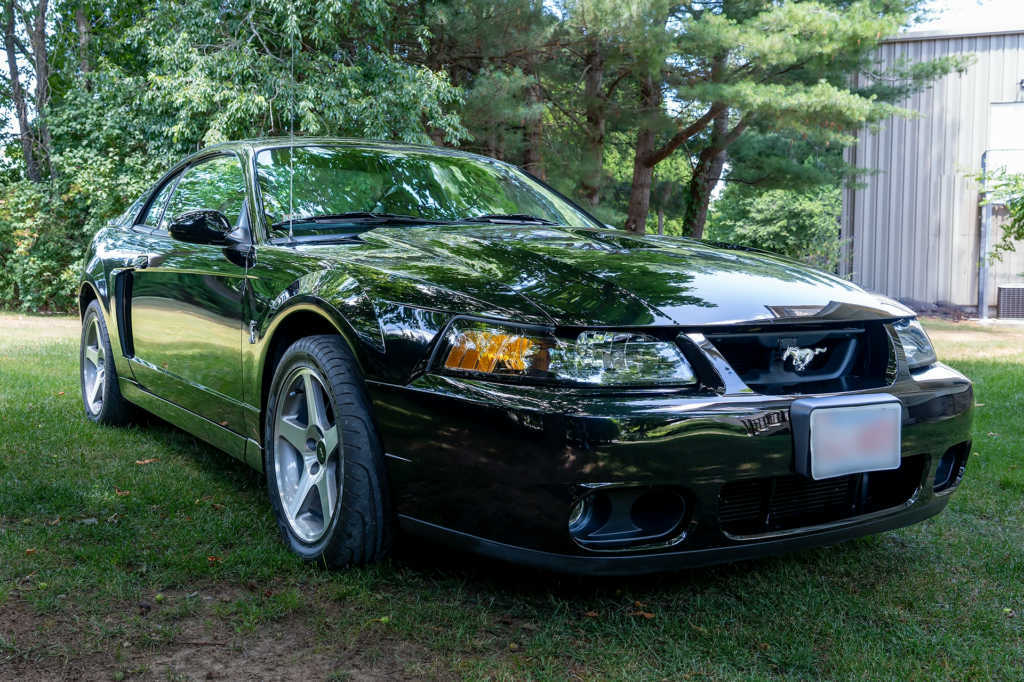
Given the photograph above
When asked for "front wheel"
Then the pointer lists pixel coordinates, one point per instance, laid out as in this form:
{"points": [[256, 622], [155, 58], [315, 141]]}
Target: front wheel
{"points": [[322, 458], [101, 394]]}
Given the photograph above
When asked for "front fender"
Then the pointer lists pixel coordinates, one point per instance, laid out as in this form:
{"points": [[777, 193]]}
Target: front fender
{"points": [[102, 263]]}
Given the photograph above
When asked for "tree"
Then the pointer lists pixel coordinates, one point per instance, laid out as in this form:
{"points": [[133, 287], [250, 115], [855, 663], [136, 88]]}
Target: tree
{"points": [[802, 224], [35, 140], [493, 52], [1008, 189], [636, 107], [601, 40], [129, 86], [756, 65]]}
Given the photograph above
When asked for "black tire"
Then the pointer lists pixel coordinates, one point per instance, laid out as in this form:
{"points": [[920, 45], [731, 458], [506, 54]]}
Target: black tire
{"points": [[95, 353], [360, 529]]}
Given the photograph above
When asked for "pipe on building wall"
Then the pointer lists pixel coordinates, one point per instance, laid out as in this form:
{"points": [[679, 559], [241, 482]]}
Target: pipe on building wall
{"points": [[983, 242]]}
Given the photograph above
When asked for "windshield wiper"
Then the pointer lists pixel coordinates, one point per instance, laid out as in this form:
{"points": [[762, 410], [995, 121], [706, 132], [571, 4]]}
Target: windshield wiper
{"points": [[357, 216], [502, 218]]}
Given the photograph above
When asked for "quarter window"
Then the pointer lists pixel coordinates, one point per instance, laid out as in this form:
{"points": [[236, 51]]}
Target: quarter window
{"points": [[156, 208], [216, 183], [128, 218]]}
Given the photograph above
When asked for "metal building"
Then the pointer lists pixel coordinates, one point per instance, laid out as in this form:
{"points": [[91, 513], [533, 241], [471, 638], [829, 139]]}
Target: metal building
{"points": [[913, 231]]}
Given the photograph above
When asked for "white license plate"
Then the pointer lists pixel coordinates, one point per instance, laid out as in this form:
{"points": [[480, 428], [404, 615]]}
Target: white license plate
{"points": [[855, 439]]}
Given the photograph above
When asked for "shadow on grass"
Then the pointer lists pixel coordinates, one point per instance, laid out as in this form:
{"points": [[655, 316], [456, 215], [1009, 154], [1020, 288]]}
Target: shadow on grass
{"points": [[428, 561]]}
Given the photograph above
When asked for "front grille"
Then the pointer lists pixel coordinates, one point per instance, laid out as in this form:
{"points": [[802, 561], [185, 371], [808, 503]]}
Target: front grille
{"points": [[835, 359], [765, 505]]}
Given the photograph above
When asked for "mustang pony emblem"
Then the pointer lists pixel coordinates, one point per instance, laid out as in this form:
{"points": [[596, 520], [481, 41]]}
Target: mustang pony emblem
{"points": [[801, 357]]}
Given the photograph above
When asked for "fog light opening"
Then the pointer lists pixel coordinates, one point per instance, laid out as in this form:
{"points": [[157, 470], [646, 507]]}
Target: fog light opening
{"points": [[579, 513], [627, 516], [951, 467], [658, 512], [590, 513]]}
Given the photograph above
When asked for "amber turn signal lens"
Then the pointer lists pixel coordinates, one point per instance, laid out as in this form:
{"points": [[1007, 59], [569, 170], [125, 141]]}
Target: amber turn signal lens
{"points": [[593, 358], [482, 351]]}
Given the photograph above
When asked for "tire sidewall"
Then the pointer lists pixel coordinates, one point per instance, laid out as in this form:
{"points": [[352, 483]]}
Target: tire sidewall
{"points": [[293, 359], [91, 312]]}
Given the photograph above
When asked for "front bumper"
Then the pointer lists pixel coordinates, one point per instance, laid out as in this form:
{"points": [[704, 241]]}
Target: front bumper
{"points": [[497, 469], [636, 563]]}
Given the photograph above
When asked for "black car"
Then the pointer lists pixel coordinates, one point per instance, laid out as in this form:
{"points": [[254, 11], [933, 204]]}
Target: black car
{"points": [[417, 338]]}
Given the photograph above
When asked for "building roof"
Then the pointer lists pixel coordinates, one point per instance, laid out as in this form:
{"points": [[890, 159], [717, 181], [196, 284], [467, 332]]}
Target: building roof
{"points": [[942, 34]]}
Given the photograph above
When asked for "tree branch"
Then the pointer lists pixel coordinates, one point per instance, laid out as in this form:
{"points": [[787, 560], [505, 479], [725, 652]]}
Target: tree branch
{"points": [[659, 155], [610, 90], [562, 110], [734, 134]]}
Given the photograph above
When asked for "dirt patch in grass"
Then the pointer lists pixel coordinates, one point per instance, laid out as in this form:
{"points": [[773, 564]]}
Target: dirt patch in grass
{"points": [[130, 643], [287, 649], [45, 327]]}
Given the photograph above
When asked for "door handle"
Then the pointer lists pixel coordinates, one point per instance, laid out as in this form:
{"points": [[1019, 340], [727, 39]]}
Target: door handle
{"points": [[141, 262]]}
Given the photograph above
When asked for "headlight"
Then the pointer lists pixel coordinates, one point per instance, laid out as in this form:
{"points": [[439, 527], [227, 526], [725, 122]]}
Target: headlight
{"points": [[594, 358], [916, 344]]}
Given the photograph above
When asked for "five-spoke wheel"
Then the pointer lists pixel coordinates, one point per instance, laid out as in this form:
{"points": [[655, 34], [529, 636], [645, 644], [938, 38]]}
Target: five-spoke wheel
{"points": [[322, 457], [101, 394], [306, 462], [93, 366]]}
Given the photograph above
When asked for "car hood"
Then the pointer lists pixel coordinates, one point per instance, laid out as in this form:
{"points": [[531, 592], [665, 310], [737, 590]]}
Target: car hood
{"points": [[584, 277]]}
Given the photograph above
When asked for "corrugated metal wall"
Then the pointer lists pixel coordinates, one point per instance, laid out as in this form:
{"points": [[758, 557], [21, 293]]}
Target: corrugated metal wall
{"points": [[913, 230]]}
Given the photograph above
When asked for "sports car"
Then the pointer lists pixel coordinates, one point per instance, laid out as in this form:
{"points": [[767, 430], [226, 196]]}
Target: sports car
{"points": [[413, 338]]}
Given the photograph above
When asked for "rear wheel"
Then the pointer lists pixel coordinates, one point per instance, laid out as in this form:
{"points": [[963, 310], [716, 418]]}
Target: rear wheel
{"points": [[323, 460], [101, 394]]}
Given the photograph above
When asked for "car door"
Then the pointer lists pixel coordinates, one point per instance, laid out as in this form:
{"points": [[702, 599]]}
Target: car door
{"points": [[186, 299]]}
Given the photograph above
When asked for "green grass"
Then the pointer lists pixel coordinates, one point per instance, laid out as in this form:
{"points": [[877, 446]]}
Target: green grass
{"points": [[185, 575]]}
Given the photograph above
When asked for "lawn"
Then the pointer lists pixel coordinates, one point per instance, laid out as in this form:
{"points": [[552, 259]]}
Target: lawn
{"points": [[143, 553]]}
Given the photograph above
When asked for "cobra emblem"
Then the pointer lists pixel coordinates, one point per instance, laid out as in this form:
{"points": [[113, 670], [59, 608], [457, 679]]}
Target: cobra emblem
{"points": [[801, 357]]}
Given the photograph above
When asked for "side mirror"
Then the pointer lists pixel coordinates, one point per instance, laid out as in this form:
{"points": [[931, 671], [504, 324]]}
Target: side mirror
{"points": [[202, 226]]}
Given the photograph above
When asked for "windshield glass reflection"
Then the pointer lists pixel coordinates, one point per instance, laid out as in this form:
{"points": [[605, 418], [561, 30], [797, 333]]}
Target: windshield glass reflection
{"points": [[300, 183]]}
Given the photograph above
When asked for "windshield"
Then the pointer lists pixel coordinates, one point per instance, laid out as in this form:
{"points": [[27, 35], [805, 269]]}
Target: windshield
{"points": [[349, 190]]}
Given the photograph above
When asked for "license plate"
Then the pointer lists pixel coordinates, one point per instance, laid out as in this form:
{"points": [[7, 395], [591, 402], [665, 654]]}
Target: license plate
{"points": [[846, 435]]}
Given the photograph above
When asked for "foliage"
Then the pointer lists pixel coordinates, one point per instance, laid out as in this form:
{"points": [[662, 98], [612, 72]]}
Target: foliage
{"points": [[800, 224], [767, 67], [636, 108], [167, 79], [242, 69], [492, 52], [1007, 189], [44, 228], [31, 255]]}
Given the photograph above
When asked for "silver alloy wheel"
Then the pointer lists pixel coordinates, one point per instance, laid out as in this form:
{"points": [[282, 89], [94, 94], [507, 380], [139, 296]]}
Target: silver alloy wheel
{"points": [[307, 462], [93, 367]]}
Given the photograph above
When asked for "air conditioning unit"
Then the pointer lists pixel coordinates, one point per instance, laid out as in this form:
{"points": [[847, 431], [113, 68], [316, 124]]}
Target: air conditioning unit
{"points": [[1010, 301]]}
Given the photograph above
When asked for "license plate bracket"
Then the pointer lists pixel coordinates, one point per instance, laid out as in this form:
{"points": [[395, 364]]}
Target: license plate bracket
{"points": [[841, 435]]}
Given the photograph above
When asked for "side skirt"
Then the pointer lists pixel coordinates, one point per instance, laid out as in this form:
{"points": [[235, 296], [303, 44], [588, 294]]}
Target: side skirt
{"points": [[239, 447]]}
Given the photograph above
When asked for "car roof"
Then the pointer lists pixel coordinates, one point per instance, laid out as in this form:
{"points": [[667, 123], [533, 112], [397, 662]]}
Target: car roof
{"points": [[258, 144]]}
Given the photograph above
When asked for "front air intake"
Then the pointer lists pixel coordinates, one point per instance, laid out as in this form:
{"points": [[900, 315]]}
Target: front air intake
{"points": [[804, 359], [766, 505]]}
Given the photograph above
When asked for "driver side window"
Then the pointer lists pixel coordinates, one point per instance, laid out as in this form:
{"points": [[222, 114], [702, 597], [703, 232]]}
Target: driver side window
{"points": [[216, 183]]}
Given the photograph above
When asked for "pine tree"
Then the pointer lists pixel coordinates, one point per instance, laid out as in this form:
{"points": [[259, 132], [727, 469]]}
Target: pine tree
{"points": [[739, 66]]}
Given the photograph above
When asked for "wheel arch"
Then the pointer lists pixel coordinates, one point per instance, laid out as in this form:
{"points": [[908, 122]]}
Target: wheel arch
{"points": [[299, 320], [86, 295]]}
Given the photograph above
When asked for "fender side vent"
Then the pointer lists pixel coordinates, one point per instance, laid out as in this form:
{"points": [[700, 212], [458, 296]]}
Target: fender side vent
{"points": [[122, 303]]}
